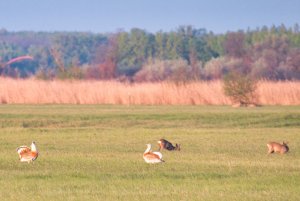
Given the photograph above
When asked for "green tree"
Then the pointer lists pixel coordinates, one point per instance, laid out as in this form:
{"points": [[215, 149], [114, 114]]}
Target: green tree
{"points": [[240, 89]]}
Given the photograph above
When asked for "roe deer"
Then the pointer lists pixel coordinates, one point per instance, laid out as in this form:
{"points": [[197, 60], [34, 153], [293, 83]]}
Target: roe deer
{"points": [[277, 147], [165, 144]]}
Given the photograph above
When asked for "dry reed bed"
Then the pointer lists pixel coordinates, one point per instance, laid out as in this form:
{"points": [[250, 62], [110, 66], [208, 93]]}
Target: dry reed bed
{"points": [[31, 91]]}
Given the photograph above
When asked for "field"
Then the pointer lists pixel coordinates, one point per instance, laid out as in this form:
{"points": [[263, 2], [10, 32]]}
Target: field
{"points": [[94, 152]]}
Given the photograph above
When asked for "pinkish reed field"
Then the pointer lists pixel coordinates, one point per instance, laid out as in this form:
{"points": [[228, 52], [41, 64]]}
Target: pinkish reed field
{"points": [[31, 91]]}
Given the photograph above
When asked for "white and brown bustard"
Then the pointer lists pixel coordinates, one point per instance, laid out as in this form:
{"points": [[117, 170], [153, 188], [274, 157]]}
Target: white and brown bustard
{"points": [[152, 157], [28, 154]]}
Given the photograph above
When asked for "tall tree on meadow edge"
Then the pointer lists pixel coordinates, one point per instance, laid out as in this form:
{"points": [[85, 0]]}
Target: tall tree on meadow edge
{"points": [[195, 64], [138, 43], [215, 43], [235, 49], [58, 59], [234, 44], [293, 65], [203, 49], [270, 58], [108, 66], [160, 44], [173, 46], [123, 63], [187, 39], [133, 49]]}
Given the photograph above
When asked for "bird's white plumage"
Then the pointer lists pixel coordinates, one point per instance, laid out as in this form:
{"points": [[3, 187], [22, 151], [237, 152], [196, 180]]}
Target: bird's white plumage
{"points": [[27, 154], [152, 157], [158, 153]]}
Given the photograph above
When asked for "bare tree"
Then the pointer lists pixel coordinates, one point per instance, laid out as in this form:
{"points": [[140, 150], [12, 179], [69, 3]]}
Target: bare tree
{"points": [[234, 44]]}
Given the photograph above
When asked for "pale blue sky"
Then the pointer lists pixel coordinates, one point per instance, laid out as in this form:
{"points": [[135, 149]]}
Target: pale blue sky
{"points": [[101, 16]]}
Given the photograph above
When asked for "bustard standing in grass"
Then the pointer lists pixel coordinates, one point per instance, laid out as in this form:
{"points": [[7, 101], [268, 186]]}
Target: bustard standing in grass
{"points": [[28, 154], [152, 157]]}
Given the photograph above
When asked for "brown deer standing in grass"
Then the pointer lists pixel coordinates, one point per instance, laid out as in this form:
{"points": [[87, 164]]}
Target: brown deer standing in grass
{"points": [[165, 144], [277, 147]]}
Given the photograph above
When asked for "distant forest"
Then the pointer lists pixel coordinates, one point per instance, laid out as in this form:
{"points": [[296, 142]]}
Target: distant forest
{"points": [[187, 53]]}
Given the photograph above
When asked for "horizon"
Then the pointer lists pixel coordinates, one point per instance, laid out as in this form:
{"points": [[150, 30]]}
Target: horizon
{"points": [[121, 30], [3, 29], [215, 16]]}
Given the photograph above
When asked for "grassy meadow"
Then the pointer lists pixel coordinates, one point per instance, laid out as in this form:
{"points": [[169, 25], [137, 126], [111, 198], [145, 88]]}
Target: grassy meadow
{"points": [[94, 152]]}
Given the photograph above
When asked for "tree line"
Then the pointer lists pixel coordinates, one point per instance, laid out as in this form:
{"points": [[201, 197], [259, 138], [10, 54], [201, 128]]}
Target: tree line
{"points": [[187, 53]]}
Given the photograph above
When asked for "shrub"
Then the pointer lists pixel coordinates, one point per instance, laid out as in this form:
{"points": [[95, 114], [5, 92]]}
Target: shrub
{"points": [[160, 70], [240, 89]]}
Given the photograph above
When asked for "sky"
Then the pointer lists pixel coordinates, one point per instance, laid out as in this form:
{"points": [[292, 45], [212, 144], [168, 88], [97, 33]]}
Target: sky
{"points": [[104, 16]]}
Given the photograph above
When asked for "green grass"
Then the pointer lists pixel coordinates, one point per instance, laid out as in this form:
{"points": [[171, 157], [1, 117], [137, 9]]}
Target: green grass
{"points": [[95, 152]]}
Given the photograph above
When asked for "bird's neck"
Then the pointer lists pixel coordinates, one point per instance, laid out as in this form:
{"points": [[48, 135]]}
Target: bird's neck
{"points": [[33, 148], [148, 149]]}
